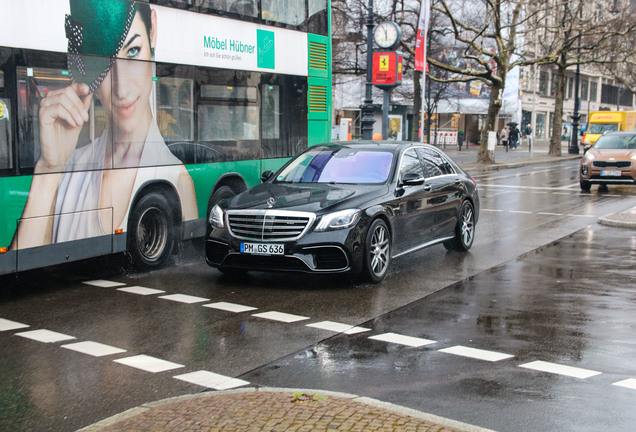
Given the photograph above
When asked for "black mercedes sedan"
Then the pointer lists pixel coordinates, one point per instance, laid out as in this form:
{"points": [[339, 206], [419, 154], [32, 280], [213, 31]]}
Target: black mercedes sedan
{"points": [[346, 208]]}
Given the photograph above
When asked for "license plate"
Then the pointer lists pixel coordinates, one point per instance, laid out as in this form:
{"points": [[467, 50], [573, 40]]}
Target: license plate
{"points": [[263, 248], [611, 173]]}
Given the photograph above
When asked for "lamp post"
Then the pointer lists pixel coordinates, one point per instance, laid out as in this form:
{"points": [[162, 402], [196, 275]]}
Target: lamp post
{"points": [[573, 148], [367, 107]]}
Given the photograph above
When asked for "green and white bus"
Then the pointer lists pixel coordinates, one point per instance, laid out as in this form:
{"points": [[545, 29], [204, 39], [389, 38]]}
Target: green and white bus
{"points": [[122, 122]]}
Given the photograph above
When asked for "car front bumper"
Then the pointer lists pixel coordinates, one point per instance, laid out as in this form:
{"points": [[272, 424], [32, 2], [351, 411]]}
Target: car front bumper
{"points": [[316, 252]]}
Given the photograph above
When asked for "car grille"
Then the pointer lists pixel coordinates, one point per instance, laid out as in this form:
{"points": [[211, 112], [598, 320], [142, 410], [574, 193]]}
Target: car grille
{"points": [[269, 225], [614, 164]]}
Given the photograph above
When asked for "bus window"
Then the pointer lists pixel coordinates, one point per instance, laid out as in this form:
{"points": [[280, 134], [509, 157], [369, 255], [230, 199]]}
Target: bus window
{"points": [[6, 155], [228, 122], [242, 8], [318, 20], [175, 113], [33, 86], [271, 111], [290, 12]]}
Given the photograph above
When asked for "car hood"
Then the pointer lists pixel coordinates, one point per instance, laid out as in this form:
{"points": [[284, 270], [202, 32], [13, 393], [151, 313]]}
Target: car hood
{"points": [[316, 198], [618, 154]]}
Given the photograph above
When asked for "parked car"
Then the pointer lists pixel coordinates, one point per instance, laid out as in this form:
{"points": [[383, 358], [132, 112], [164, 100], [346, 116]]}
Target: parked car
{"points": [[612, 160], [338, 208]]}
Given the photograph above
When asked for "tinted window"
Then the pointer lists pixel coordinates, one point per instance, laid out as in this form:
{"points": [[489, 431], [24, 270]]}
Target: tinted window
{"points": [[410, 164], [339, 165], [435, 163]]}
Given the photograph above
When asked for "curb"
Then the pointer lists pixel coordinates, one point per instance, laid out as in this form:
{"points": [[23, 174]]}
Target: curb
{"points": [[287, 392], [476, 167], [626, 219]]}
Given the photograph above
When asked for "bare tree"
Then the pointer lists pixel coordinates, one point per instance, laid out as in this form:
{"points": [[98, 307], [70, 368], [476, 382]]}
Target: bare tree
{"points": [[486, 31], [579, 32]]}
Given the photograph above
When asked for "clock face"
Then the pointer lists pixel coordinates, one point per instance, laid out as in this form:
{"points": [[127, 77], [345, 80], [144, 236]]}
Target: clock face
{"points": [[386, 34]]}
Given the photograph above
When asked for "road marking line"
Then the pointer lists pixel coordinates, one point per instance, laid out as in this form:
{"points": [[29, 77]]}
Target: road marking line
{"points": [[45, 336], [629, 383], [338, 327], [520, 212], [182, 298], [586, 216], [560, 369], [211, 380], [140, 290], [492, 210], [148, 363], [230, 307], [280, 316], [94, 349], [6, 325], [475, 353], [403, 340], [104, 283], [550, 214]]}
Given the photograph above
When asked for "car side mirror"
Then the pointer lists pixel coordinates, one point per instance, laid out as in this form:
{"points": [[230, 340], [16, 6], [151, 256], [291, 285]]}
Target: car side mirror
{"points": [[412, 179], [266, 176]]}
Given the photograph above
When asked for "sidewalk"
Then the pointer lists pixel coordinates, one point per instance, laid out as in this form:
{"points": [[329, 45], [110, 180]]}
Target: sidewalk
{"points": [[288, 410], [521, 156], [282, 410]]}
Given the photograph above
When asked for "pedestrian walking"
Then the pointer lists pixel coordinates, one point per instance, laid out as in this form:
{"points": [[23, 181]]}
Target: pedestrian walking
{"points": [[503, 137], [513, 136]]}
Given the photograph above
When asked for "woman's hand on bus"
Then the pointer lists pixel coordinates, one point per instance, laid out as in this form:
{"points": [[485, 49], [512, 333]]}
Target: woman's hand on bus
{"points": [[63, 112]]}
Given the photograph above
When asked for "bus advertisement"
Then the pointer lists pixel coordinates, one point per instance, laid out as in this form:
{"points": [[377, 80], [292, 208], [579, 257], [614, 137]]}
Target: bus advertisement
{"points": [[122, 123]]}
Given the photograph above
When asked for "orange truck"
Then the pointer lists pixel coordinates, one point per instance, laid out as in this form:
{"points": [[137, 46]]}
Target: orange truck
{"points": [[607, 121]]}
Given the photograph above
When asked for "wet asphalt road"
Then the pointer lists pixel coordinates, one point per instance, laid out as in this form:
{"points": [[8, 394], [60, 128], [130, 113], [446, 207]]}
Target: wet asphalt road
{"points": [[542, 282]]}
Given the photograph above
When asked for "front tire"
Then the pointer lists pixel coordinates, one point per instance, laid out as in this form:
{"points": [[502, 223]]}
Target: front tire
{"points": [[151, 232], [377, 252], [585, 185], [464, 230]]}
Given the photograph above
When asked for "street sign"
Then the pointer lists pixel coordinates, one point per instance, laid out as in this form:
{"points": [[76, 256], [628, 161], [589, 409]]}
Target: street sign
{"points": [[387, 69]]}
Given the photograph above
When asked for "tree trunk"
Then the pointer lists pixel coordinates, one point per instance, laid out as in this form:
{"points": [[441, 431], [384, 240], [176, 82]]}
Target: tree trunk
{"points": [[484, 155], [417, 106], [557, 122]]}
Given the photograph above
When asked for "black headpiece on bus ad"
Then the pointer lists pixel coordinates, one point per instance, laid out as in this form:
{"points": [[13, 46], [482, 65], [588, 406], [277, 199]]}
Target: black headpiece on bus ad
{"points": [[96, 31]]}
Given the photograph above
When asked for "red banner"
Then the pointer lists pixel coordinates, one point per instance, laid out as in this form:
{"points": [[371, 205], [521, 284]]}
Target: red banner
{"points": [[422, 31]]}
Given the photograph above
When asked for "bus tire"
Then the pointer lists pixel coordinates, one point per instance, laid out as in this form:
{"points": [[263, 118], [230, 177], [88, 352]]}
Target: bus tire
{"points": [[224, 192], [151, 232]]}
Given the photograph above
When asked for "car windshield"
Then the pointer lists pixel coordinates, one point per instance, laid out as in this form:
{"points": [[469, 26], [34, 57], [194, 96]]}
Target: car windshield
{"points": [[600, 128], [617, 142], [338, 165]]}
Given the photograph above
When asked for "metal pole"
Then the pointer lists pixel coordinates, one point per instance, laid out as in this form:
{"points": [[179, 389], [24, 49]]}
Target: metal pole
{"points": [[385, 114], [533, 135], [573, 148], [367, 107]]}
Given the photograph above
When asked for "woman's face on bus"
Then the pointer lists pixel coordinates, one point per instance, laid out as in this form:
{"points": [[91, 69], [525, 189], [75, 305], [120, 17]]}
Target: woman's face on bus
{"points": [[125, 91]]}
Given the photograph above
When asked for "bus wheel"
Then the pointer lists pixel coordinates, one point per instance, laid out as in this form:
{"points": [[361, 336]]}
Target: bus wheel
{"points": [[224, 192], [151, 232]]}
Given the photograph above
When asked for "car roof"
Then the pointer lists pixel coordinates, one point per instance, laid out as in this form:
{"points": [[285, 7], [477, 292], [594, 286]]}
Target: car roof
{"points": [[389, 145]]}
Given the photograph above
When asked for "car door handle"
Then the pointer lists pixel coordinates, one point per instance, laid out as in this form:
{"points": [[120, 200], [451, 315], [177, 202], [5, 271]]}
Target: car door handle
{"points": [[427, 188], [458, 182]]}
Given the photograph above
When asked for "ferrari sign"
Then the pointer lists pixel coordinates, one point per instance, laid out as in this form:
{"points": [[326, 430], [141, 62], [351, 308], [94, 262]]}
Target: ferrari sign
{"points": [[387, 69]]}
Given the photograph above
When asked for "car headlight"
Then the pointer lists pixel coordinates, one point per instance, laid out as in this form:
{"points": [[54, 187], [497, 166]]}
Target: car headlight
{"points": [[588, 157], [338, 220], [216, 217]]}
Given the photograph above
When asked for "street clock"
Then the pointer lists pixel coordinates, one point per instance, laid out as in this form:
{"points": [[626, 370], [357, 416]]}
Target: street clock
{"points": [[387, 34]]}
